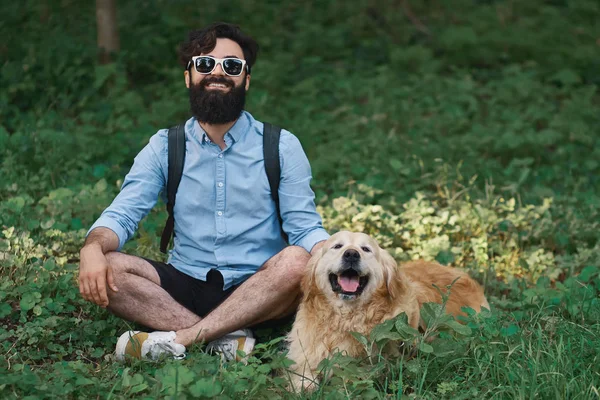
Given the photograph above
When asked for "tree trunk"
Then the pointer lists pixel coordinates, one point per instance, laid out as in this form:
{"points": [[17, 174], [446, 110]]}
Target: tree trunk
{"points": [[108, 31]]}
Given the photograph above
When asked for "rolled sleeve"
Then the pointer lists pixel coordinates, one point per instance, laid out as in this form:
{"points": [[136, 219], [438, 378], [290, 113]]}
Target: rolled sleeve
{"points": [[301, 221], [112, 223], [139, 192], [314, 237]]}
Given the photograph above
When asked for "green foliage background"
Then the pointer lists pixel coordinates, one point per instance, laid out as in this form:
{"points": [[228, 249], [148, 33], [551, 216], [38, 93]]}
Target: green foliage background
{"points": [[473, 140]]}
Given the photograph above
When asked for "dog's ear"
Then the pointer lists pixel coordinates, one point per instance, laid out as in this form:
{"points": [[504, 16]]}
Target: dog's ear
{"points": [[394, 279], [308, 281]]}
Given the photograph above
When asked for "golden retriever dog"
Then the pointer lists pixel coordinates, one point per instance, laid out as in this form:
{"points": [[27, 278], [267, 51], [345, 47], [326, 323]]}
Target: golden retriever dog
{"points": [[352, 284]]}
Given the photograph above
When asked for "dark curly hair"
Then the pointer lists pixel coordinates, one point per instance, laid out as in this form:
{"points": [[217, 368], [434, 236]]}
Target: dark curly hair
{"points": [[205, 40]]}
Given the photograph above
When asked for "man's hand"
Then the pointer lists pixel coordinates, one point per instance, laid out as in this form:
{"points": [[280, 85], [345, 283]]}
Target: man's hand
{"points": [[94, 273]]}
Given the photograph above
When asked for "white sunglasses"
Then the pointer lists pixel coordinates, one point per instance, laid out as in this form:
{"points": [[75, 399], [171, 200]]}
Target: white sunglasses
{"points": [[206, 64]]}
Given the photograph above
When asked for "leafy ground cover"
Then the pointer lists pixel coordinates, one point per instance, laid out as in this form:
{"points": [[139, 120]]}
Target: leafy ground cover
{"points": [[465, 131]]}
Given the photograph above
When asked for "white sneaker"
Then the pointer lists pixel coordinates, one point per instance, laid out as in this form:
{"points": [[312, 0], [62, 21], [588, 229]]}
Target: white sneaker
{"points": [[228, 345], [150, 346]]}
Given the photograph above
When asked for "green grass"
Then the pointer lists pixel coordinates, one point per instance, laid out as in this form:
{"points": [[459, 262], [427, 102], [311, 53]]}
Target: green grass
{"points": [[475, 144]]}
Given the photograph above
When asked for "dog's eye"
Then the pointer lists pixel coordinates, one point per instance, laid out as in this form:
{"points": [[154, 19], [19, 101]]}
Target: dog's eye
{"points": [[337, 246], [366, 249]]}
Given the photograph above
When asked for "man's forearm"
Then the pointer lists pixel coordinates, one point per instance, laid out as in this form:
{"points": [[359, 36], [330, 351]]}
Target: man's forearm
{"points": [[103, 238]]}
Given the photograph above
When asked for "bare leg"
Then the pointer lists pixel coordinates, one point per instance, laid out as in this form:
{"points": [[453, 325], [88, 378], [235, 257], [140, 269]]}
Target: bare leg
{"points": [[140, 297], [273, 292]]}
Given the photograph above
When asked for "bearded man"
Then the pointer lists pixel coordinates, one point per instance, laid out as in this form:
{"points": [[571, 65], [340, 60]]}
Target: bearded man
{"points": [[230, 268]]}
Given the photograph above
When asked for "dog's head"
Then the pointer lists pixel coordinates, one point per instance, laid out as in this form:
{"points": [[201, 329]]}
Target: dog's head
{"points": [[351, 268]]}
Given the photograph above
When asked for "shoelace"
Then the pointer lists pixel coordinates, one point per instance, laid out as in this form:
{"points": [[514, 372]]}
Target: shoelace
{"points": [[169, 348], [224, 348]]}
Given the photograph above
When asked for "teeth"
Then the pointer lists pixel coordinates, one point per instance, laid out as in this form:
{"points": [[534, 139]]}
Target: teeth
{"points": [[217, 85]]}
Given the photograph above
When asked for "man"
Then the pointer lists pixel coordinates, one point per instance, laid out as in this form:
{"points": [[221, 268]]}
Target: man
{"points": [[230, 268]]}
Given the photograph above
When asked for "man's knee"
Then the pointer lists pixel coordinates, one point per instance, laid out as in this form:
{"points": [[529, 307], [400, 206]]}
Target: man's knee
{"points": [[290, 262], [116, 262], [126, 267], [127, 264]]}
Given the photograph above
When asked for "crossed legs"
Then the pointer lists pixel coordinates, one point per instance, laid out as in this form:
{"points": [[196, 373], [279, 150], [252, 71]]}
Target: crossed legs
{"points": [[272, 293]]}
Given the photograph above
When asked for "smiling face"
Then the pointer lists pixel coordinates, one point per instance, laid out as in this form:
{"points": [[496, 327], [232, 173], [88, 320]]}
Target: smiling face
{"points": [[217, 98], [351, 267], [223, 48]]}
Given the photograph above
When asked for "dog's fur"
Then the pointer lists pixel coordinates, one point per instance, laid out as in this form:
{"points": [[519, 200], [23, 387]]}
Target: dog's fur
{"points": [[326, 318]]}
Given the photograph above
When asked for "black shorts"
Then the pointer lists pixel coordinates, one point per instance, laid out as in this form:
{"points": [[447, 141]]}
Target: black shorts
{"points": [[201, 297], [198, 296]]}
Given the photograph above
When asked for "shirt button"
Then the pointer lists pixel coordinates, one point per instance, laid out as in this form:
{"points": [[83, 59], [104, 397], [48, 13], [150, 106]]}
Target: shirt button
{"points": [[220, 156], [219, 213], [220, 184]]}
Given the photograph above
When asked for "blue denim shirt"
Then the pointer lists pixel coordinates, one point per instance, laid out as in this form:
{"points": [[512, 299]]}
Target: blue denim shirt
{"points": [[225, 217]]}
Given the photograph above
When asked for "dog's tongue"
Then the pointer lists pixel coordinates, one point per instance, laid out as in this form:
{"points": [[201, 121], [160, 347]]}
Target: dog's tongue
{"points": [[348, 284]]}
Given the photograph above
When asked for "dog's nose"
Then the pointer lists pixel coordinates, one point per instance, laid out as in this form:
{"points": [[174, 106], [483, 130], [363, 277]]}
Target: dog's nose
{"points": [[351, 255]]}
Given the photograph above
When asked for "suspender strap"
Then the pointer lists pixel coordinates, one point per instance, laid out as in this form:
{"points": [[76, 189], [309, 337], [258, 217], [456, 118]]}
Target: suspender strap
{"points": [[271, 136], [176, 160]]}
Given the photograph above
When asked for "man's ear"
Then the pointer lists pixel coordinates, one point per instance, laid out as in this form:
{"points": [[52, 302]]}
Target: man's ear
{"points": [[247, 81], [187, 76]]}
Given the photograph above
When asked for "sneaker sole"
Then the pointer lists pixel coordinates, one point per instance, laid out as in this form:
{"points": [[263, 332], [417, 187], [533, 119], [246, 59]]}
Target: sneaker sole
{"points": [[122, 344]]}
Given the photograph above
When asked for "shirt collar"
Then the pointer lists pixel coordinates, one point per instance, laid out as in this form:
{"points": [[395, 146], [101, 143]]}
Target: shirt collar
{"points": [[240, 127], [236, 131]]}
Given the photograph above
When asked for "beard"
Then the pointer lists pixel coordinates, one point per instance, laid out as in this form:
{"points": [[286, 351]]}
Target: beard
{"points": [[213, 106]]}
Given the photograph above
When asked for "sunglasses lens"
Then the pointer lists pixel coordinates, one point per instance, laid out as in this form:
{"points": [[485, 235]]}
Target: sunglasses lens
{"points": [[204, 65], [232, 66]]}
